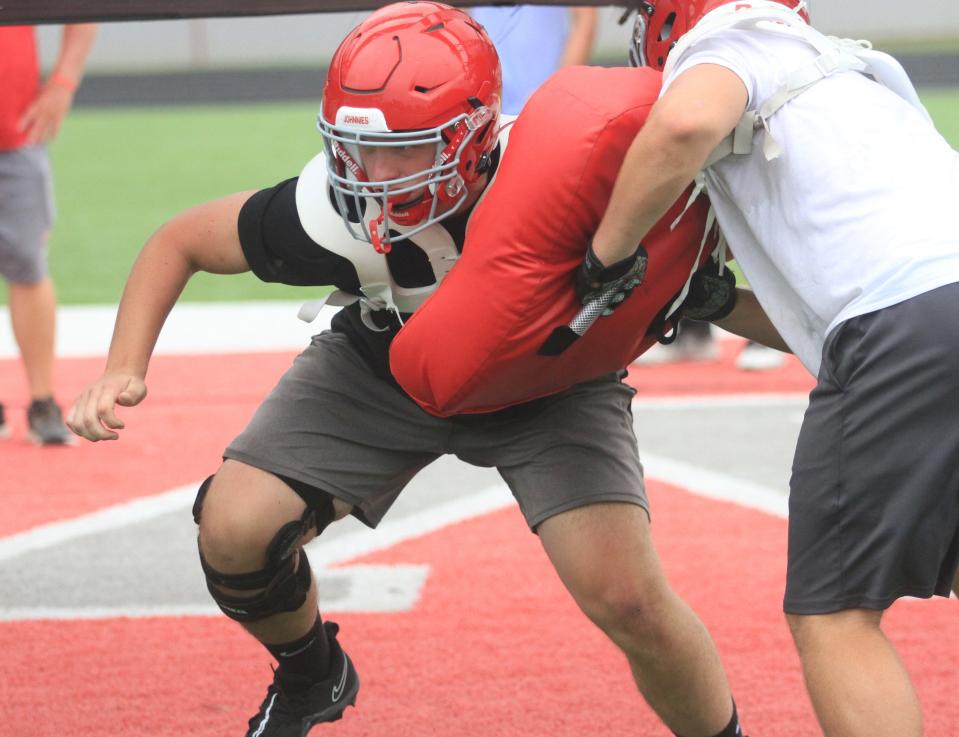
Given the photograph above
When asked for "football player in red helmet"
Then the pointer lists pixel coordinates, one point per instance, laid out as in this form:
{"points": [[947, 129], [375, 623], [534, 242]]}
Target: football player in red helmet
{"points": [[395, 92], [660, 24], [411, 121], [837, 197]]}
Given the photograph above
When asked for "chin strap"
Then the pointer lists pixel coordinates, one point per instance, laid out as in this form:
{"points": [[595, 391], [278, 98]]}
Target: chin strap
{"points": [[375, 238], [835, 55]]}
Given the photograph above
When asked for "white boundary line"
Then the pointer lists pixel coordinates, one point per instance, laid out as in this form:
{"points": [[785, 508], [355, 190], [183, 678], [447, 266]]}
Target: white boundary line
{"points": [[103, 520], [695, 401], [716, 485], [333, 551], [372, 589], [342, 548], [192, 328]]}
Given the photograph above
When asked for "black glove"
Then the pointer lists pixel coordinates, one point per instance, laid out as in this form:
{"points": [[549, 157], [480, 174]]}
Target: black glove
{"points": [[712, 296], [594, 279]]}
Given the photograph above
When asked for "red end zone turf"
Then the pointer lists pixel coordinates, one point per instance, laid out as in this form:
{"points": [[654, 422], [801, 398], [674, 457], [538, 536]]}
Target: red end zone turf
{"points": [[195, 406], [691, 378], [494, 647]]}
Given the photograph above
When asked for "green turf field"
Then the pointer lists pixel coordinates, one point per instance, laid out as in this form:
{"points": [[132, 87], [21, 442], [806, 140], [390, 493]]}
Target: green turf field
{"points": [[121, 173]]}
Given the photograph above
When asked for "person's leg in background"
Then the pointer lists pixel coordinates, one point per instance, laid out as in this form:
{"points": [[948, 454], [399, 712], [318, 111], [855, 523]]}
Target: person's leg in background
{"points": [[26, 215]]}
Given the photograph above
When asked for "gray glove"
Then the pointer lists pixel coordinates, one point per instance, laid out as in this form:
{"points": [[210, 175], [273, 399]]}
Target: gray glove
{"points": [[594, 279], [712, 296]]}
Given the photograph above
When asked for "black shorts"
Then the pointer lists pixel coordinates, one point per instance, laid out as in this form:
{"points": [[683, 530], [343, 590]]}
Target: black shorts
{"points": [[874, 496], [332, 424]]}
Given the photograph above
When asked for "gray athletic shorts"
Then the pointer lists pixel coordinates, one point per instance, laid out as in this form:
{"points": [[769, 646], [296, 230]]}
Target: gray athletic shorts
{"points": [[26, 213], [333, 424], [874, 498]]}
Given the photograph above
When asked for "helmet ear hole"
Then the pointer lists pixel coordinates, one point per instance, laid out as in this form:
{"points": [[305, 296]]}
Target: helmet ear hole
{"points": [[667, 29]]}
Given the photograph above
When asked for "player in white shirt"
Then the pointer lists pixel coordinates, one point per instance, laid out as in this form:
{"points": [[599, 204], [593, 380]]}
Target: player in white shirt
{"points": [[838, 199]]}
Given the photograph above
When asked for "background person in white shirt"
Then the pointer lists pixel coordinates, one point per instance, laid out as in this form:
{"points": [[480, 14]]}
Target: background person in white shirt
{"points": [[839, 206]]}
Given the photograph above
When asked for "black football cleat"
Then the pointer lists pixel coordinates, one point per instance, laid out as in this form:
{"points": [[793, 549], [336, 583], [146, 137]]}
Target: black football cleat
{"points": [[292, 712]]}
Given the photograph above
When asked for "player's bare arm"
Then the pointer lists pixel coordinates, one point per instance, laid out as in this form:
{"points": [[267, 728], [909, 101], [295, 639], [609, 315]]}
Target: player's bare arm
{"points": [[697, 112], [203, 238], [749, 320]]}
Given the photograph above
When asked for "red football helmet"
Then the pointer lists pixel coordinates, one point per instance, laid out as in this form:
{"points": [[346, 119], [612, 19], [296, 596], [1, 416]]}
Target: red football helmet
{"points": [[661, 23], [412, 73]]}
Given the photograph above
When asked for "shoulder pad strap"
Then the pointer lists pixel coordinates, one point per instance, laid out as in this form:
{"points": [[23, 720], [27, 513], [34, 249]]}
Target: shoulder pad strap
{"points": [[325, 226]]}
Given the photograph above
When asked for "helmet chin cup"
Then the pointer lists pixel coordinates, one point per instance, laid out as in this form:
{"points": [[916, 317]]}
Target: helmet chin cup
{"points": [[375, 226]]}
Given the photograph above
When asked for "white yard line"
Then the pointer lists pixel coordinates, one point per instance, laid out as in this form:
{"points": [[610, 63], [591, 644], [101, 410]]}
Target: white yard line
{"points": [[716, 485], [335, 550], [192, 327], [271, 326], [369, 588], [341, 548], [798, 400], [114, 517]]}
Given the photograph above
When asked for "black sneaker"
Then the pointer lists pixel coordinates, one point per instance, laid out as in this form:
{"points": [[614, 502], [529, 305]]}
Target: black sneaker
{"points": [[286, 713], [45, 423], [4, 427]]}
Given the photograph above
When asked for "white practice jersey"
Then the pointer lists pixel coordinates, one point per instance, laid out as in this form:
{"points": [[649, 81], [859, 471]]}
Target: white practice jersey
{"points": [[860, 210]]}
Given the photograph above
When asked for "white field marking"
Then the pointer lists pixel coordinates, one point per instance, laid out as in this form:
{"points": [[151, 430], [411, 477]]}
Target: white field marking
{"points": [[339, 549], [333, 551], [715, 485], [191, 328], [369, 589], [344, 547], [103, 520], [695, 401]]}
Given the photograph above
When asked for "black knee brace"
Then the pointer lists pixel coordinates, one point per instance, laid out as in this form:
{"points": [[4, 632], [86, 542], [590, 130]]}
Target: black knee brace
{"points": [[282, 585], [279, 587]]}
